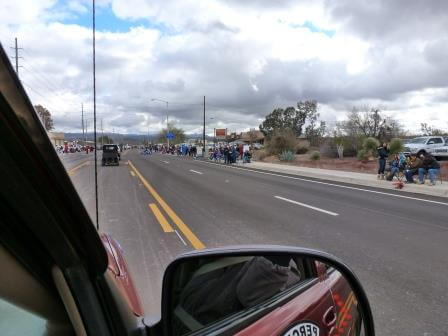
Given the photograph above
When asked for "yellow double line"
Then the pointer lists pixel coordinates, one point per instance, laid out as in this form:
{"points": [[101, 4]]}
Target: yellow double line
{"points": [[72, 171], [197, 244]]}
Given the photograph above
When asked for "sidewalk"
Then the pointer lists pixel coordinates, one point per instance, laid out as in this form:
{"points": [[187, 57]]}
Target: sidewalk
{"points": [[361, 179]]}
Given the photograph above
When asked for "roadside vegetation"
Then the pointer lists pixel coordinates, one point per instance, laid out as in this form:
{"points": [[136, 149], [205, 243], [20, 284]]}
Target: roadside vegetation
{"points": [[297, 134]]}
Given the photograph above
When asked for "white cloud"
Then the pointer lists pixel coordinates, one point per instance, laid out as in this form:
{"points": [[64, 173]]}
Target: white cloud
{"points": [[246, 57]]}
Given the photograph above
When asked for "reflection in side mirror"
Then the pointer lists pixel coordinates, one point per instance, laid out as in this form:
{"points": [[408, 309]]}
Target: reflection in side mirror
{"points": [[270, 293]]}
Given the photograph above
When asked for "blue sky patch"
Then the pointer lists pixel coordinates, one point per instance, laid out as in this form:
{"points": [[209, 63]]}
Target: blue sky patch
{"points": [[106, 20], [315, 29]]}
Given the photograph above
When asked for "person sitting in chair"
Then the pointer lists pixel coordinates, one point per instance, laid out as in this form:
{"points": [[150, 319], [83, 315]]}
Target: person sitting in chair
{"points": [[394, 167], [412, 167], [429, 166]]}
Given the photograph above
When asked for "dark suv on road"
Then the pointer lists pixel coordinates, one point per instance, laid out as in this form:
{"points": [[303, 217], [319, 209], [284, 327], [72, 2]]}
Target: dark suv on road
{"points": [[111, 155]]}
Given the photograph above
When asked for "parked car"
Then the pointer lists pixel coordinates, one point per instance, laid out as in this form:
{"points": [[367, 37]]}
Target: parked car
{"points": [[441, 152], [421, 144]]}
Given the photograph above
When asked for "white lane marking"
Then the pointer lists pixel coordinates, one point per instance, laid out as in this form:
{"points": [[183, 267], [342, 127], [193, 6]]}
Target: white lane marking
{"points": [[332, 184], [307, 206], [165, 161], [195, 171], [180, 237]]}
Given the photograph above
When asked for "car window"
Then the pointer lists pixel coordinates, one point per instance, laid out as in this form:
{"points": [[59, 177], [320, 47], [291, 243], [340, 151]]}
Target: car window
{"points": [[17, 321], [418, 141], [110, 148], [436, 140]]}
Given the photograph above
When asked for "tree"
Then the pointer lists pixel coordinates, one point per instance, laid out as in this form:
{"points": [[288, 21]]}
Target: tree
{"points": [[431, 130], [45, 116], [281, 141], [313, 131], [179, 135], [290, 118], [368, 121]]}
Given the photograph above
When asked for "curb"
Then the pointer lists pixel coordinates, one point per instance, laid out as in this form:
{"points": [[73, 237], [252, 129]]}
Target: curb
{"points": [[415, 189]]}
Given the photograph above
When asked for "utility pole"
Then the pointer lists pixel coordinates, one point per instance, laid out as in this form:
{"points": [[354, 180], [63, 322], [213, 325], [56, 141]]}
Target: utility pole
{"points": [[16, 48], [82, 122], [203, 132], [167, 127]]}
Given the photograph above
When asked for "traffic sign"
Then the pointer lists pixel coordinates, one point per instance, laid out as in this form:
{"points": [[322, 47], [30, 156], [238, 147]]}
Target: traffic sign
{"points": [[170, 136]]}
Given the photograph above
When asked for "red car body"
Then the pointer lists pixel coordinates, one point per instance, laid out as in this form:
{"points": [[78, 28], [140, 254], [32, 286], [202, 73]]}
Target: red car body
{"points": [[118, 267], [329, 304]]}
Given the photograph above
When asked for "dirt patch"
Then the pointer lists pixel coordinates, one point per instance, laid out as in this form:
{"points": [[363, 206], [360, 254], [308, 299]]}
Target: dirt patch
{"points": [[345, 164]]}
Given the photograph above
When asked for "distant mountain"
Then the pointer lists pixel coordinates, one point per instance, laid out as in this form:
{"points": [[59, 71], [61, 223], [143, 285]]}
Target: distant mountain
{"points": [[126, 138]]}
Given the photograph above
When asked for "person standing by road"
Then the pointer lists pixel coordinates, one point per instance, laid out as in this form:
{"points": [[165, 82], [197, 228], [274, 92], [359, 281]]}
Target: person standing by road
{"points": [[226, 154], [234, 155], [383, 153]]}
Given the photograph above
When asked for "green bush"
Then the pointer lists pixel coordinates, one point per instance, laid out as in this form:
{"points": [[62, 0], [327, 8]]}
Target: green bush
{"points": [[370, 145], [396, 146], [301, 150], [287, 156], [282, 141], [315, 155], [362, 155]]}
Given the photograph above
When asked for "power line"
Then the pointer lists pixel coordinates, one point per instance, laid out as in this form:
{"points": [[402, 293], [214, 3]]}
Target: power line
{"points": [[41, 83], [40, 75]]}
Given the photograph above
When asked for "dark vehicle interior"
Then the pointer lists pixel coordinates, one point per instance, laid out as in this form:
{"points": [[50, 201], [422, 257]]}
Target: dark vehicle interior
{"points": [[216, 270]]}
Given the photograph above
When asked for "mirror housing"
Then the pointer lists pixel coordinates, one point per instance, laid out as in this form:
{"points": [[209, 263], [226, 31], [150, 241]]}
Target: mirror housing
{"points": [[430, 142], [254, 315]]}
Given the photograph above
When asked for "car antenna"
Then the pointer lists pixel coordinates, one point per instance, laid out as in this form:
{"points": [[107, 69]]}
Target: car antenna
{"points": [[94, 116]]}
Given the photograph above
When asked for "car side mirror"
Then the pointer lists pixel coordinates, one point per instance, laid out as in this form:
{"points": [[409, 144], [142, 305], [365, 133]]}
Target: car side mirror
{"points": [[430, 143], [266, 290]]}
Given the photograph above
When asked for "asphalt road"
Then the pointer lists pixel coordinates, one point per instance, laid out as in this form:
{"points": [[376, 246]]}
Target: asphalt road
{"points": [[396, 245]]}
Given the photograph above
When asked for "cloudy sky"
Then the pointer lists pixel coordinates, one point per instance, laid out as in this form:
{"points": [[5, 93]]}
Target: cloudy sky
{"points": [[246, 56]]}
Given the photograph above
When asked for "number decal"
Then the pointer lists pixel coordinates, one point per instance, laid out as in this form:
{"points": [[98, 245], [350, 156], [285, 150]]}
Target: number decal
{"points": [[303, 329]]}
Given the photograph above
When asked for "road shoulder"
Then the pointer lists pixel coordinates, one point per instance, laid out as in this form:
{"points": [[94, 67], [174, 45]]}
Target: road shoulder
{"points": [[369, 180]]}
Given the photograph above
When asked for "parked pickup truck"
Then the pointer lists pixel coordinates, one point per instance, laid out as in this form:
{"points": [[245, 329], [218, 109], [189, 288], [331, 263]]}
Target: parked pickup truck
{"points": [[436, 145]]}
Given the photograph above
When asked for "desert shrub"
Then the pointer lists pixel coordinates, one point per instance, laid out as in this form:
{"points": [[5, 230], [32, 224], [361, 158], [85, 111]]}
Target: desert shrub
{"points": [[260, 154], [315, 156], [362, 155], [396, 146], [287, 156], [282, 141], [370, 145], [301, 150]]}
